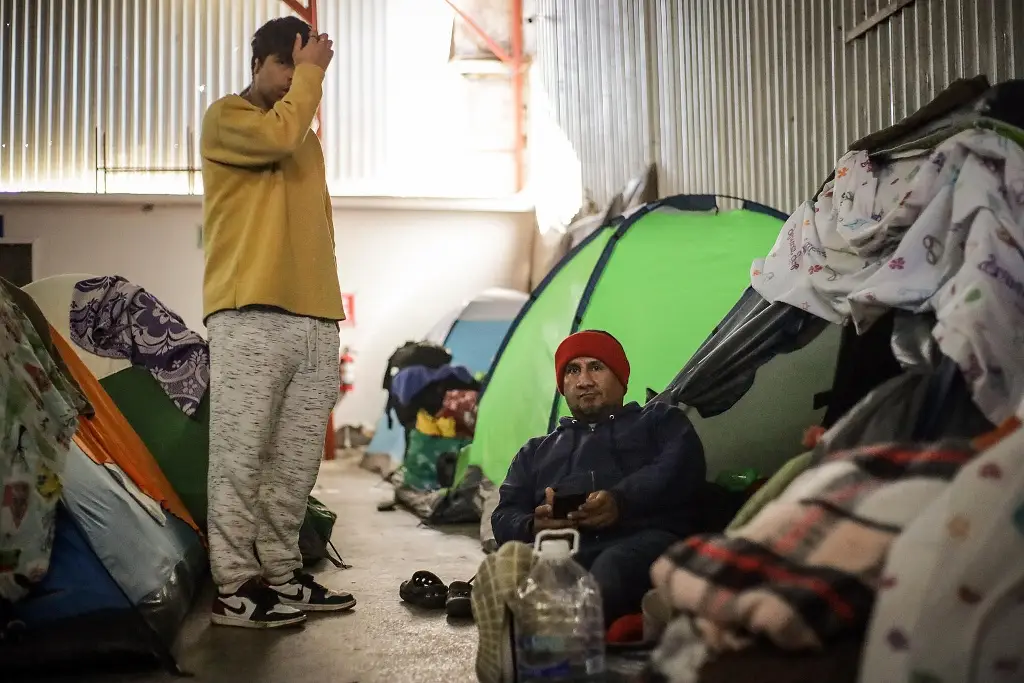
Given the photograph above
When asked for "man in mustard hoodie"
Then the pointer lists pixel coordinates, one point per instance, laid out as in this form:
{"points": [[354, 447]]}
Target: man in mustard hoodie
{"points": [[271, 302]]}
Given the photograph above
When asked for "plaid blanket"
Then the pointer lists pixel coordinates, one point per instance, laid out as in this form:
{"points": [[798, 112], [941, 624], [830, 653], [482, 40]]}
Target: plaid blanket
{"points": [[805, 569]]}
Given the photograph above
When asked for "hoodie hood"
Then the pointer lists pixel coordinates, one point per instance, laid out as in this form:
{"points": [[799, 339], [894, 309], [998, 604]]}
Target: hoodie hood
{"points": [[628, 409]]}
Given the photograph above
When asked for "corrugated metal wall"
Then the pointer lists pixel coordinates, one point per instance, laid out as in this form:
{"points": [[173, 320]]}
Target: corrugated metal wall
{"points": [[591, 61], [142, 72], [755, 99]]}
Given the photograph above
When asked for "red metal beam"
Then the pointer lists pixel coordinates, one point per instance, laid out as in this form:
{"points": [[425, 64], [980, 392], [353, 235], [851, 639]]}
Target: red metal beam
{"points": [[517, 92], [515, 63], [306, 12], [492, 44]]}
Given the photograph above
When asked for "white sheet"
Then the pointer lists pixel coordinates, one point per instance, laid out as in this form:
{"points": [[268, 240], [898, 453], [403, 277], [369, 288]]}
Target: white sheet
{"points": [[940, 233]]}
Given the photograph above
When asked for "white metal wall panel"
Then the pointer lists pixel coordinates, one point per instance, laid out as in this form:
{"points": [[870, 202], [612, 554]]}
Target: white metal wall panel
{"points": [[591, 59], [755, 99], [143, 72], [355, 102]]}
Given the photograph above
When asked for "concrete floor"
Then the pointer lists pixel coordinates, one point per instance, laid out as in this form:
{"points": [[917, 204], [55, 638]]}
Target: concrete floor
{"points": [[381, 640]]}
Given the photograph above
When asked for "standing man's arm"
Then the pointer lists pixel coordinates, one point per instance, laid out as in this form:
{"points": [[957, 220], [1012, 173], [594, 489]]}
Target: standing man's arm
{"points": [[241, 135], [329, 209]]}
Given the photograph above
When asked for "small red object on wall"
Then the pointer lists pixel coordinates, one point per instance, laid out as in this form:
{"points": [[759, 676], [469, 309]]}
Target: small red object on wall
{"points": [[348, 377], [349, 302]]}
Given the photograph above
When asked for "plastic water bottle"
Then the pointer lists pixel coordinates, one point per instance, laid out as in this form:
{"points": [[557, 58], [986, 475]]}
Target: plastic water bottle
{"points": [[559, 621]]}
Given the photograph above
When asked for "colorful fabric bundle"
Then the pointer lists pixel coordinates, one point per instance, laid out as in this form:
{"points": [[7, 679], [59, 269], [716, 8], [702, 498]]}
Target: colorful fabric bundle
{"points": [[960, 563], [805, 570], [460, 405], [39, 409]]}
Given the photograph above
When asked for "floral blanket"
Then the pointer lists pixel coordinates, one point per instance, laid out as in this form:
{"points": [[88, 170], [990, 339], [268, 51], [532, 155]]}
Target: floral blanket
{"points": [[39, 411]]}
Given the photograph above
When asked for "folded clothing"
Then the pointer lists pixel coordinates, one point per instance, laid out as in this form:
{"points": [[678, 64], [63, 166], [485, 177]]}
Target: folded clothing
{"points": [[419, 388], [803, 571], [435, 426], [461, 406], [409, 382]]}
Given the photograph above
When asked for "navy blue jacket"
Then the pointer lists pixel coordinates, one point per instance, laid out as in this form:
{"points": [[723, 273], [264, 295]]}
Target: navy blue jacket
{"points": [[649, 458]]}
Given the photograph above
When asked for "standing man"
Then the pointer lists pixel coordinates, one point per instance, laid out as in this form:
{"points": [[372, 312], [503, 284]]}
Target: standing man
{"points": [[271, 303]]}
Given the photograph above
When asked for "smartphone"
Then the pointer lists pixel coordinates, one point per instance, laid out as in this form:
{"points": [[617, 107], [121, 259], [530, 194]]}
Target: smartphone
{"points": [[567, 502]]}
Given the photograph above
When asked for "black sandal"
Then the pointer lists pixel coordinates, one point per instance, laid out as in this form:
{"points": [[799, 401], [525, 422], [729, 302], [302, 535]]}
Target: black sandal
{"points": [[424, 590], [460, 603]]}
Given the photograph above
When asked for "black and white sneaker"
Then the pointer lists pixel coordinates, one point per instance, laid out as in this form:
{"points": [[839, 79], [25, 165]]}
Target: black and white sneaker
{"points": [[254, 605], [306, 594]]}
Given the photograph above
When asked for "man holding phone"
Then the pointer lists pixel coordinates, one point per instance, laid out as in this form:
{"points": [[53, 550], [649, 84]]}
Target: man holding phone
{"points": [[627, 477], [271, 303]]}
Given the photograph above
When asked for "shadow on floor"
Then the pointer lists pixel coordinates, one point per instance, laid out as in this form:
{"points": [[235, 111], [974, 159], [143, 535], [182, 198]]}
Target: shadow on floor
{"points": [[381, 640]]}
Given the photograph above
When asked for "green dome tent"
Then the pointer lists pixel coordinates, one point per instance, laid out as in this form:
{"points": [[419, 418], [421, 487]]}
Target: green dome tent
{"points": [[659, 280]]}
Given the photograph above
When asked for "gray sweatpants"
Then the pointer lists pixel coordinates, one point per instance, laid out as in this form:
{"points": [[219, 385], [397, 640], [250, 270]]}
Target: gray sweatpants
{"points": [[274, 378]]}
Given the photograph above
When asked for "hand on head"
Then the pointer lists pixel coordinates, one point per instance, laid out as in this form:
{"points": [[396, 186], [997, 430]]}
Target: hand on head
{"points": [[318, 50]]}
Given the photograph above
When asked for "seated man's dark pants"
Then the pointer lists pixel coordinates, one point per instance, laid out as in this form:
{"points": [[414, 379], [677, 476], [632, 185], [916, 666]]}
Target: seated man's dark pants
{"points": [[622, 569]]}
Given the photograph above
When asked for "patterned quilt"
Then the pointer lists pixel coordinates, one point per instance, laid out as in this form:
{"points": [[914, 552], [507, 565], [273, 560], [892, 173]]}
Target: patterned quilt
{"points": [[805, 570], [113, 318]]}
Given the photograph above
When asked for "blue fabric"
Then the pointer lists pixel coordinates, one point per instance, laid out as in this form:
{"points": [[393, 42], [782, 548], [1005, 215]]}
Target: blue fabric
{"points": [[414, 379], [111, 553], [473, 343], [649, 458], [389, 440], [139, 552], [77, 583], [622, 570]]}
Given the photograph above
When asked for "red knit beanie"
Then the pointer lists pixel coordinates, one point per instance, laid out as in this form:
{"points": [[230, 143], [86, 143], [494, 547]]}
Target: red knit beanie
{"points": [[591, 344]]}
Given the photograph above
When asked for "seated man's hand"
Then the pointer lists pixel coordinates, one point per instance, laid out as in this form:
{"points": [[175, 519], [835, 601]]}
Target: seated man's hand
{"points": [[598, 512], [543, 516]]}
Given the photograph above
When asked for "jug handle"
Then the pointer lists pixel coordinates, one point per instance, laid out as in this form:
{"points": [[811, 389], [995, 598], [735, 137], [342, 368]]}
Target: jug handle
{"points": [[572, 535]]}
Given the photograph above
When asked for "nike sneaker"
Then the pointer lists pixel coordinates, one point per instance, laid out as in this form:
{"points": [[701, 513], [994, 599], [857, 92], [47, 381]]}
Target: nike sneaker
{"points": [[303, 592], [254, 605]]}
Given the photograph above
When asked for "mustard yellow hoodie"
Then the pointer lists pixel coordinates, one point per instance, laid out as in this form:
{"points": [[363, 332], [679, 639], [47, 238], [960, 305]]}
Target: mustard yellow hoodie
{"points": [[268, 232]]}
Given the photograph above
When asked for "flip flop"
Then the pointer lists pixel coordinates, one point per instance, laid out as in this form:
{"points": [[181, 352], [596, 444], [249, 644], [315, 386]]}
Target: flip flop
{"points": [[424, 590], [460, 600]]}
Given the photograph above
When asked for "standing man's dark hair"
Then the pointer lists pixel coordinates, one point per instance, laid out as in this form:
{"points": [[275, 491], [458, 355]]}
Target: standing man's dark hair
{"points": [[271, 302], [277, 38]]}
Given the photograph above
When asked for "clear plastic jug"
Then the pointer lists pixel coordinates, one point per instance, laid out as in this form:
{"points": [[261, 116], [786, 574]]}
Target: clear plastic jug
{"points": [[559, 622]]}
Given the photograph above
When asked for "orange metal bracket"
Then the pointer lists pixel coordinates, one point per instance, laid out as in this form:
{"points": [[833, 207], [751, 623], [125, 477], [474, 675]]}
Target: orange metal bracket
{"points": [[306, 12], [513, 62]]}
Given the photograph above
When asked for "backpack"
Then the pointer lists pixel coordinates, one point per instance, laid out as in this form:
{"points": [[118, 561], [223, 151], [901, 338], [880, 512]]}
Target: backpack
{"points": [[423, 353], [315, 535]]}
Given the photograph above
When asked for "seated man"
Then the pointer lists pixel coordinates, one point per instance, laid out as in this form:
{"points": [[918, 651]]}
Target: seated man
{"points": [[641, 469]]}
